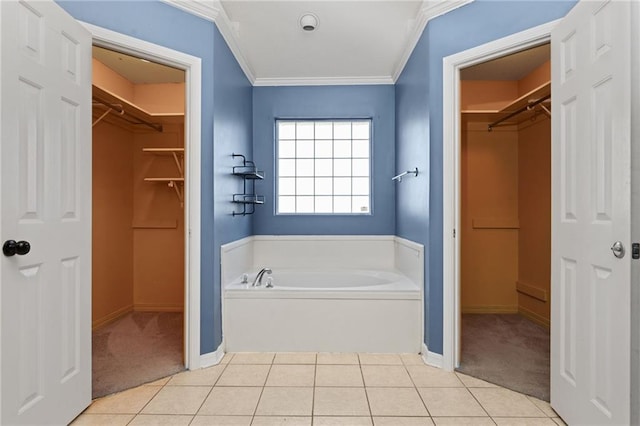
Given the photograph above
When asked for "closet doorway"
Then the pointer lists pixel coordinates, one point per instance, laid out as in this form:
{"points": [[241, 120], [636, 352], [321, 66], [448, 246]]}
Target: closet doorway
{"points": [[505, 220], [138, 301]]}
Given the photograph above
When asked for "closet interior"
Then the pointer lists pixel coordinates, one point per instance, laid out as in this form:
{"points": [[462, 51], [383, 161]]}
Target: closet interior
{"points": [[506, 195], [138, 220], [505, 218]]}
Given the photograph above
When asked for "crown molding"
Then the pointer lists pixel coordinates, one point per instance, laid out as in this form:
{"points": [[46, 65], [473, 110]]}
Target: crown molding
{"points": [[430, 9], [323, 81], [212, 10], [208, 10]]}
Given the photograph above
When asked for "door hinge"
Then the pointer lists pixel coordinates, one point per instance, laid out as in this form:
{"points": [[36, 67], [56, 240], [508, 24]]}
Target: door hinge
{"points": [[454, 233], [635, 251]]}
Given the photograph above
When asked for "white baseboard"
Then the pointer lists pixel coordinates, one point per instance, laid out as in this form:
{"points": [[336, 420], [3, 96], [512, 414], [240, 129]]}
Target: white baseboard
{"points": [[212, 358], [431, 358]]}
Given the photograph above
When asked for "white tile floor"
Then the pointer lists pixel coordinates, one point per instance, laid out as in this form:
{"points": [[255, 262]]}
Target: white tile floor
{"points": [[320, 390]]}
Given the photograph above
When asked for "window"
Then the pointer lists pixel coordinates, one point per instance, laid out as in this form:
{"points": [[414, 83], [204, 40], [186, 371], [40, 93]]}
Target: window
{"points": [[323, 167]]}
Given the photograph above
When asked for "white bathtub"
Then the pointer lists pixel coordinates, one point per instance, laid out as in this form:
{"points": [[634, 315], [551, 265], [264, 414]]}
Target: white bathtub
{"points": [[327, 309], [326, 280]]}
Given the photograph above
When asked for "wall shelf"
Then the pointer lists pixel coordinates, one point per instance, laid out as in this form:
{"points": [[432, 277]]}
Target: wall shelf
{"points": [[177, 183], [164, 179], [118, 110], [515, 112], [248, 199], [249, 174]]}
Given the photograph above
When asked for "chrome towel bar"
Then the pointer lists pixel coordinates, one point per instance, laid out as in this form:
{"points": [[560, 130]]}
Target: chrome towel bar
{"points": [[399, 177]]}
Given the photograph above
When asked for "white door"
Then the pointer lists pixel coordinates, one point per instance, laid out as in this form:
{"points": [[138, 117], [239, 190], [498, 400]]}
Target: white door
{"points": [[45, 199], [590, 312]]}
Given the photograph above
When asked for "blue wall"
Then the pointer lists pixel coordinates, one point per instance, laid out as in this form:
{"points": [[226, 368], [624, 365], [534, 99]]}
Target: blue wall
{"points": [[226, 95], [232, 132], [419, 123], [407, 132], [376, 102]]}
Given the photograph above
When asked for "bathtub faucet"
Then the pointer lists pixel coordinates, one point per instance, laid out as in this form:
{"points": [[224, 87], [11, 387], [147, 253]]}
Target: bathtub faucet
{"points": [[258, 279]]}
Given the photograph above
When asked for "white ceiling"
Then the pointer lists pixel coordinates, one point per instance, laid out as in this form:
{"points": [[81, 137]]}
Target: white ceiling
{"points": [[510, 67], [136, 70], [356, 42], [360, 40]]}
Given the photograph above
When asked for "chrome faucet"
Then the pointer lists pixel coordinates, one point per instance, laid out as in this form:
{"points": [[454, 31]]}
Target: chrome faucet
{"points": [[258, 279]]}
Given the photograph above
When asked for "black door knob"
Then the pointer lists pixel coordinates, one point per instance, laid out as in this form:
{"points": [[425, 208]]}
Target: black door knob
{"points": [[11, 247], [23, 247]]}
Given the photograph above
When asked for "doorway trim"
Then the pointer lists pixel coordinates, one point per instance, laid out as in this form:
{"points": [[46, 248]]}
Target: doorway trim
{"points": [[193, 81], [451, 172]]}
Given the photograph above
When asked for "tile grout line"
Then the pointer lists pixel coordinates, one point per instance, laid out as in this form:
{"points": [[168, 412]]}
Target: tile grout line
{"points": [[255, 410], [475, 398], [547, 402], [364, 387], [313, 392], [147, 403], [224, 368], [167, 385], [415, 387], [527, 397]]}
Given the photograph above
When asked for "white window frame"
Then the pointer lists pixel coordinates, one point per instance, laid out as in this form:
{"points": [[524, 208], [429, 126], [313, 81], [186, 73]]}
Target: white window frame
{"points": [[369, 211]]}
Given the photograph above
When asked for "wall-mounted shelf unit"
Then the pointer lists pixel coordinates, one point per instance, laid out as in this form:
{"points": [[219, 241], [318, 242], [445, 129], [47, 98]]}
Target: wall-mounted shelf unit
{"points": [[177, 182], [249, 174]]}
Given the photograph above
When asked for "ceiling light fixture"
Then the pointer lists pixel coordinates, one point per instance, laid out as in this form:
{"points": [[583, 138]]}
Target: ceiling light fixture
{"points": [[309, 22]]}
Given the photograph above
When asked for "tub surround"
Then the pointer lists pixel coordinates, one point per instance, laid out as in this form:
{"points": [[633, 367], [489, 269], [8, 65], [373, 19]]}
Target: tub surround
{"points": [[337, 294]]}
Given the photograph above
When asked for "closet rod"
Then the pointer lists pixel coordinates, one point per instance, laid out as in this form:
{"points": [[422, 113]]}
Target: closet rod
{"points": [[120, 110], [521, 110]]}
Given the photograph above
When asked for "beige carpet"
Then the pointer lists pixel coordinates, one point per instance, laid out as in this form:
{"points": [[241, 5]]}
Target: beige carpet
{"points": [[136, 349], [508, 350]]}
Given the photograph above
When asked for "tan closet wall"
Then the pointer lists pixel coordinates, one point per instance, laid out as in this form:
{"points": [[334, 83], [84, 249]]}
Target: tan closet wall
{"points": [[505, 203], [534, 242], [158, 221], [138, 226], [112, 239], [489, 219], [534, 206]]}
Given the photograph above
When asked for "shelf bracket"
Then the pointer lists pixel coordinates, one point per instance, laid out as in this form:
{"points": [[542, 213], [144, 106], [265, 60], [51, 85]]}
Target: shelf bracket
{"points": [[121, 111], [178, 163], [172, 182], [546, 110], [179, 191], [104, 114], [513, 114]]}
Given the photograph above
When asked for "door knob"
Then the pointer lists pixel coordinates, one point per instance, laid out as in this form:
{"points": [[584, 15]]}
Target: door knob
{"points": [[618, 249], [11, 247]]}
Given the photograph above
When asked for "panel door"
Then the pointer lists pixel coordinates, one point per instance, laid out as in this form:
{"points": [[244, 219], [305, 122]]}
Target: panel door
{"points": [[45, 199], [590, 314]]}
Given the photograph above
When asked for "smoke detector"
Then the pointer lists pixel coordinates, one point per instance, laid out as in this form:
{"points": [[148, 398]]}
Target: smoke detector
{"points": [[309, 22]]}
